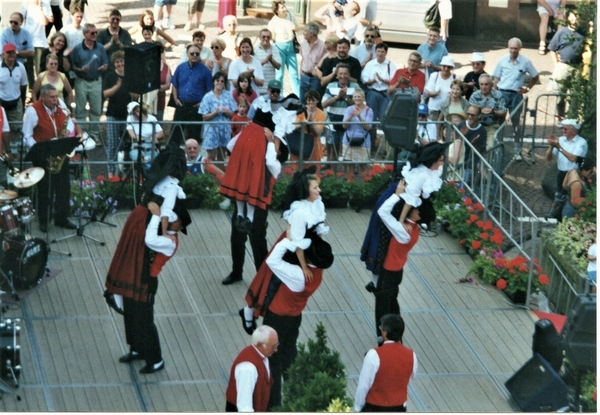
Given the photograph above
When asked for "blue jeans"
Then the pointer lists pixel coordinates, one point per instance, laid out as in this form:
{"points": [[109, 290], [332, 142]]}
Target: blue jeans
{"points": [[288, 58], [512, 100], [378, 102], [306, 84]]}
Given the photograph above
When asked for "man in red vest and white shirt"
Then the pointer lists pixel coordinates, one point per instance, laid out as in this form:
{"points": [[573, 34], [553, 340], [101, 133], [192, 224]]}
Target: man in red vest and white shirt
{"points": [[386, 371], [48, 119], [250, 378]]}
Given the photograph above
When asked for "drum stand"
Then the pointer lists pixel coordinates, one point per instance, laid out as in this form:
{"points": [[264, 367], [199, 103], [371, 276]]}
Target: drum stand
{"points": [[48, 211], [81, 228]]}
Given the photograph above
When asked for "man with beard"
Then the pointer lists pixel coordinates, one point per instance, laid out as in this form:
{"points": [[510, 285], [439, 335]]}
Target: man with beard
{"points": [[329, 67]]}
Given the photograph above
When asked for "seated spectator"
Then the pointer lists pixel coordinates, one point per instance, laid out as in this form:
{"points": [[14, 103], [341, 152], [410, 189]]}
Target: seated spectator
{"points": [[197, 163], [492, 105], [454, 103], [471, 80], [426, 131], [357, 140], [312, 113], [145, 142]]}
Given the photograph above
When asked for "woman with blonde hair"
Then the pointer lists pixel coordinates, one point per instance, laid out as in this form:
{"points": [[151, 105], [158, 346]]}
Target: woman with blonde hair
{"points": [[147, 19], [283, 30], [53, 77], [219, 63], [230, 37]]}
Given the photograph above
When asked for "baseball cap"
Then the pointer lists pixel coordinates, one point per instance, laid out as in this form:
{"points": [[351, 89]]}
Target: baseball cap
{"points": [[275, 84], [9, 47], [423, 109]]}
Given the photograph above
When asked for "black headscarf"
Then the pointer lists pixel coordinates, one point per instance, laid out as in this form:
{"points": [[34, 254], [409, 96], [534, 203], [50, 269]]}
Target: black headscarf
{"points": [[169, 162], [298, 187], [429, 154]]}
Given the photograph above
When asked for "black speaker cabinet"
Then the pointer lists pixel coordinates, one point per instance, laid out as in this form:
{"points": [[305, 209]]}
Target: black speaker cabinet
{"points": [[548, 343], [142, 67], [536, 387], [399, 123], [579, 332]]}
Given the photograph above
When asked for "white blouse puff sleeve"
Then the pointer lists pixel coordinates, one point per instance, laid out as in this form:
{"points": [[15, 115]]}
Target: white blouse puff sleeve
{"points": [[303, 215], [170, 190], [420, 181]]}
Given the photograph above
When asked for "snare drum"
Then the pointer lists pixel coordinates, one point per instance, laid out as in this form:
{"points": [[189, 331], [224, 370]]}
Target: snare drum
{"points": [[24, 207], [9, 218], [26, 261]]}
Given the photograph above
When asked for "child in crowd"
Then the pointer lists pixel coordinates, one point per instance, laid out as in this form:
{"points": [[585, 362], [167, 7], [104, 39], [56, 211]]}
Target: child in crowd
{"points": [[242, 115], [244, 88]]}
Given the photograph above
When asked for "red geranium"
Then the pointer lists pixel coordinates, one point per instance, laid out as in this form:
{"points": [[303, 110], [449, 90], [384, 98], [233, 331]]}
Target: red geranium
{"points": [[473, 217], [484, 236], [543, 279], [100, 178], [476, 244], [115, 179], [468, 201], [487, 225], [288, 171], [478, 207], [479, 224], [501, 284]]}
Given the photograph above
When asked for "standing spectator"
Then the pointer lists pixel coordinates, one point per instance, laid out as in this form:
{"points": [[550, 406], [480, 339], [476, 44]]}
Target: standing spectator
{"points": [[547, 9], [219, 63], [195, 9], [23, 40], [13, 87], [89, 62], [165, 6], [230, 37], [54, 77], [356, 143], [438, 87], [476, 134], [247, 64], [312, 49], [376, 77], [576, 184], [409, 76], [165, 85], [312, 114], [114, 38], [37, 13], [226, 8], [565, 49], [329, 67], [432, 52], [509, 76], [5, 131], [191, 81], [445, 8], [386, 371], [244, 88], [337, 97], [56, 18], [217, 106], [283, 31], [454, 103], [56, 46], [206, 54], [269, 58], [147, 20], [491, 103], [243, 106], [117, 93], [471, 80], [365, 52], [74, 34], [139, 284], [566, 148], [250, 380], [331, 48]]}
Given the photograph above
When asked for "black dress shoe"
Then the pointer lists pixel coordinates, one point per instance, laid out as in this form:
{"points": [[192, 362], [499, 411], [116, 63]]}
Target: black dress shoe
{"points": [[231, 279], [247, 227], [110, 300], [370, 287], [153, 368], [66, 224], [130, 357], [247, 329]]}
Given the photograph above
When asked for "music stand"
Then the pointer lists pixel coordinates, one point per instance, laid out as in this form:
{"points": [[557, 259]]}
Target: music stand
{"points": [[41, 153]]}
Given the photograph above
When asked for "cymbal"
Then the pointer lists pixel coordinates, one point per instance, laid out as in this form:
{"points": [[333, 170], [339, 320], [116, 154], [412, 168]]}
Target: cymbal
{"points": [[8, 195], [29, 177]]}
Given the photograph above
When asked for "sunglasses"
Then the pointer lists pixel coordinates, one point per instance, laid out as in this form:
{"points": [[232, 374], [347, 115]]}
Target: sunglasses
{"points": [[214, 47], [370, 36], [14, 22], [93, 33], [194, 53]]}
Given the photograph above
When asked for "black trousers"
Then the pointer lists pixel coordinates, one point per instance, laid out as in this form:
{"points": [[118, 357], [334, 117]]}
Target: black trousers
{"points": [[386, 295], [140, 331], [229, 407], [288, 330], [258, 241], [376, 408], [60, 193], [58, 23], [187, 112]]}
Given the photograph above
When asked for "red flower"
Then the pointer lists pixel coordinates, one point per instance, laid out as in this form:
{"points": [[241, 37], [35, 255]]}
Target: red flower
{"points": [[376, 169], [340, 174], [115, 179], [210, 168], [501, 284], [350, 179], [476, 244], [468, 201], [100, 178], [462, 241], [368, 179], [389, 167], [328, 172], [484, 236], [288, 171], [469, 221], [543, 279], [479, 224], [523, 268], [497, 239], [461, 190], [473, 217], [478, 207], [487, 225]]}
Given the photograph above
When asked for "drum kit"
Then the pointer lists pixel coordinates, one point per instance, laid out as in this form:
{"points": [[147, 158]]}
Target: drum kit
{"points": [[23, 258]]}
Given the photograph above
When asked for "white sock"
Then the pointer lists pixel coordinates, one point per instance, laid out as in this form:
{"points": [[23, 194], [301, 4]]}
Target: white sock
{"points": [[250, 213], [374, 278], [240, 208], [119, 300], [248, 316]]}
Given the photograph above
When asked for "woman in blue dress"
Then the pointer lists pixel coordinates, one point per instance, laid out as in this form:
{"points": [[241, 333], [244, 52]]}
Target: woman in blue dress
{"points": [[217, 106]]}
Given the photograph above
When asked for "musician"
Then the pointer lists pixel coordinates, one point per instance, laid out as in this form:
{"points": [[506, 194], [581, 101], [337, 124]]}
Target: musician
{"points": [[48, 119]]}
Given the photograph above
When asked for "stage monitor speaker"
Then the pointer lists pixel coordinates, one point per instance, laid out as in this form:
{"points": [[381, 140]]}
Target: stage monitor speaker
{"points": [[579, 333], [399, 123], [142, 67], [536, 387], [548, 343]]}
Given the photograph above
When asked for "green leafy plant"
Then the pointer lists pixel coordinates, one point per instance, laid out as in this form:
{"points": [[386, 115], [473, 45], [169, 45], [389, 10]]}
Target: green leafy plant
{"points": [[315, 379], [88, 197], [335, 189], [280, 188], [586, 209], [366, 188], [202, 190], [573, 237], [589, 390]]}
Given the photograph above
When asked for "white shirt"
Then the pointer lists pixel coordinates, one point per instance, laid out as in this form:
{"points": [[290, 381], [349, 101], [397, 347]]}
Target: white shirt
{"points": [[169, 189], [427, 131], [386, 70], [435, 83], [361, 53], [31, 119], [592, 264], [512, 75], [290, 275], [74, 35], [367, 376], [577, 146], [246, 376], [148, 129], [303, 215], [420, 181], [396, 228], [11, 81], [283, 119], [156, 242], [268, 68], [34, 17], [5, 125], [238, 66]]}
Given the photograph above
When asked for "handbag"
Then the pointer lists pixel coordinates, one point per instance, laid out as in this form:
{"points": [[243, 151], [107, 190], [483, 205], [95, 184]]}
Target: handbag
{"points": [[296, 44], [432, 16], [357, 141], [293, 140]]}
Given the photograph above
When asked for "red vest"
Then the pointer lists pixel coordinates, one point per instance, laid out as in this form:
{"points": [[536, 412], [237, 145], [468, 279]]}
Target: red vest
{"points": [[161, 259], [262, 389], [289, 303], [390, 385], [397, 253], [45, 130]]}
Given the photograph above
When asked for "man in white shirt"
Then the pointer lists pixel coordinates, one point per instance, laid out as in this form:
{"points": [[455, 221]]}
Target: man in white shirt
{"points": [[311, 50], [365, 52], [74, 31], [426, 131], [269, 58], [250, 379], [386, 371]]}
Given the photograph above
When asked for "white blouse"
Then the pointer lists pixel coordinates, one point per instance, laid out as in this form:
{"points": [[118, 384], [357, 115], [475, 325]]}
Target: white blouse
{"points": [[420, 181], [303, 215]]}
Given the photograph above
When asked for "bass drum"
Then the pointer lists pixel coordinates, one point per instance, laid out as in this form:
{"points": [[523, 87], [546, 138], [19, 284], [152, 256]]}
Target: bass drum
{"points": [[26, 260]]}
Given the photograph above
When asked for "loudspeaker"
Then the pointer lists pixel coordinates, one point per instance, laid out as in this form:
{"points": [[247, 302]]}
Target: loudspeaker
{"points": [[399, 123], [536, 387], [142, 67], [579, 333], [548, 343]]}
